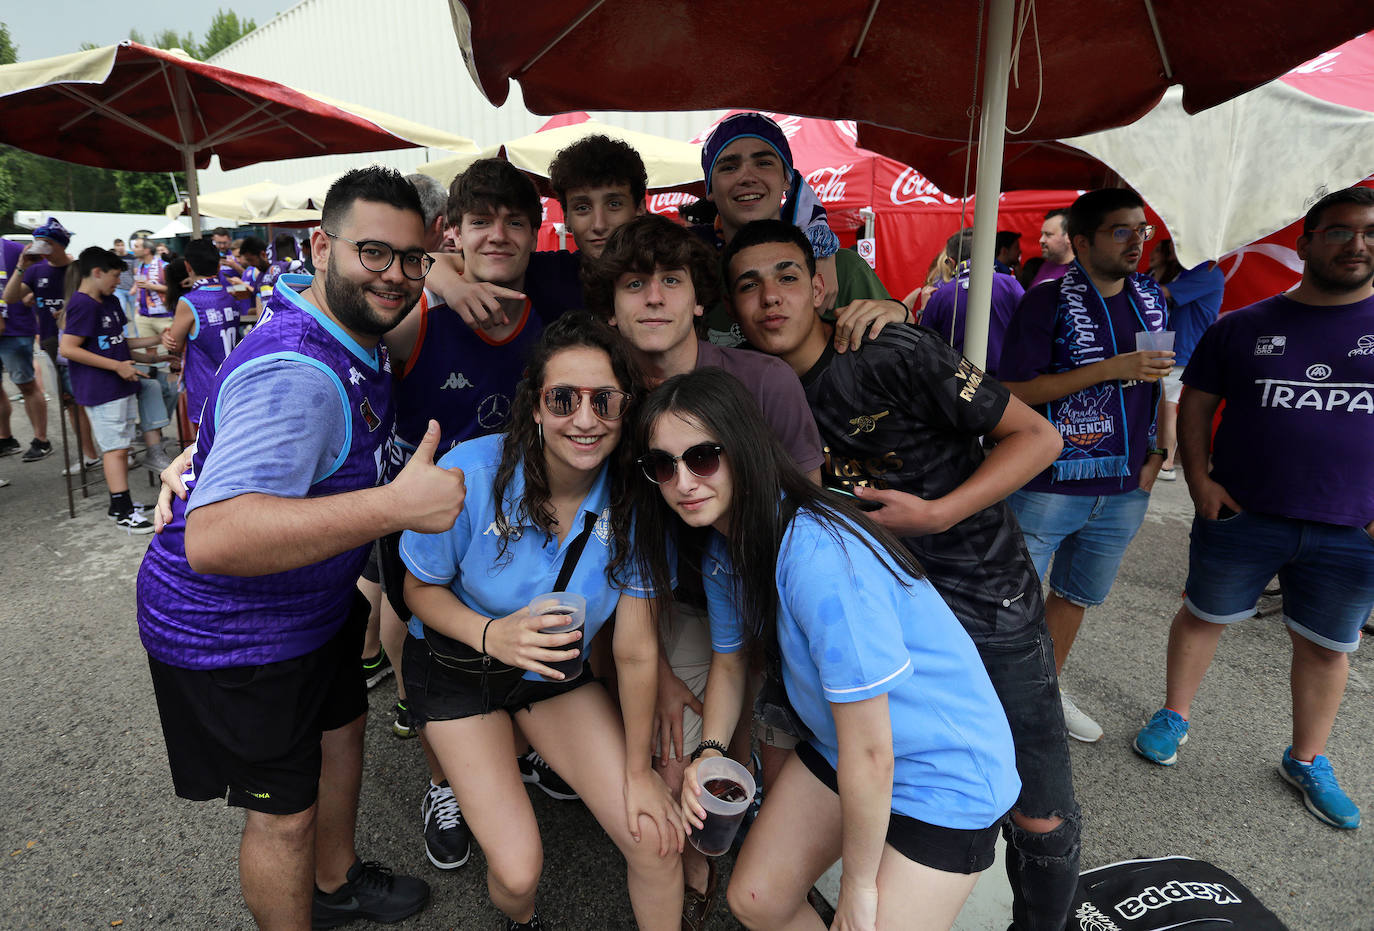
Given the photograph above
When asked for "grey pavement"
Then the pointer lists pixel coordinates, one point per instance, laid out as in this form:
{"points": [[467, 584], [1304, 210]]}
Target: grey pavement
{"points": [[94, 838]]}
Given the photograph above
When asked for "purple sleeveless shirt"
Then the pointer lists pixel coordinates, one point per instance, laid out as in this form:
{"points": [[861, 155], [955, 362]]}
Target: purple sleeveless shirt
{"points": [[199, 621], [214, 332]]}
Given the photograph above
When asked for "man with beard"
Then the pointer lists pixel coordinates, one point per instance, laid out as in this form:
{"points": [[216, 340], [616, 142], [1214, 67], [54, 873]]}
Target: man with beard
{"points": [[1287, 490], [1070, 351], [1055, 246], [246, 602]]}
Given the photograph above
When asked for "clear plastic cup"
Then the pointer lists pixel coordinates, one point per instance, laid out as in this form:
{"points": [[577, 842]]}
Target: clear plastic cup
{"points": [[726, 791], [1152, 341], [575, 607]]}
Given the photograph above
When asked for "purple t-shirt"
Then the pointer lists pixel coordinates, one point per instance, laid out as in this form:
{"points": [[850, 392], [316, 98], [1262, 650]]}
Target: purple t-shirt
{"points": [[18, 316], [1026, 352], [100, 324], [1297, 433], [48, 284], [945, 310], [779, 393], [1050, 271]]}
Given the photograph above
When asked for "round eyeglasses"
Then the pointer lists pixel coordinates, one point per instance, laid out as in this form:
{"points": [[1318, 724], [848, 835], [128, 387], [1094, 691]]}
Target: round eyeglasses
{"points": [[377, 256], [1124, 233], [607, 403], [702, 460]]}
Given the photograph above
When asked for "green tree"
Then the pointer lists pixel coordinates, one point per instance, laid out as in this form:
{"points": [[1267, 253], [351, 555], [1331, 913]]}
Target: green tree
{"points": [[225, 29], [9, 52], [147, 192]]}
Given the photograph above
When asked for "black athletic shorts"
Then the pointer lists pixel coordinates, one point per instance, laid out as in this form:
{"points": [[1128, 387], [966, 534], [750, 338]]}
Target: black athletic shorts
{"points": [[435, 692], [953, 850], [372, 570], [253, 732]]}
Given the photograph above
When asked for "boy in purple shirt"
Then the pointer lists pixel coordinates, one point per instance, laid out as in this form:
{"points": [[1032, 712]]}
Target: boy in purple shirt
{"points": [[1287, 490], [104, 380], [1070, 351]]}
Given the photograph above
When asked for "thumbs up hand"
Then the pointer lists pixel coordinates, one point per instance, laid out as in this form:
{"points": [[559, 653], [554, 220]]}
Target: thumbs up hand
{"points": [[431, 497]]}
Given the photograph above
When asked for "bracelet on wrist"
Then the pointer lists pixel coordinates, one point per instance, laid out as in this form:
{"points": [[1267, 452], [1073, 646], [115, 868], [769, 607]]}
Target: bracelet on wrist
{"points": [[1156, 451], [708, 745]]}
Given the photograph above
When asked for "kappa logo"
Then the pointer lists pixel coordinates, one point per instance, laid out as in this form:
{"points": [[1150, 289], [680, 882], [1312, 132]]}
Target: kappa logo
{"points": [[1270, 345], [1364, 346], [355, 377], [456, 380], [1319, 372], [865, 423], [1152, 897]]}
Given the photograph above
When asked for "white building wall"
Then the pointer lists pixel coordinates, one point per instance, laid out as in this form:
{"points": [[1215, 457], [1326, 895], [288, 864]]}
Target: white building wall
{"points": [[401, 57]]}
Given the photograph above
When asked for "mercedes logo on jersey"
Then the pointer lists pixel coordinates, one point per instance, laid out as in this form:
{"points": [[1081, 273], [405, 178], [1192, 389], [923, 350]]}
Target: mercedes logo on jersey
{"points": [[494, 411]]}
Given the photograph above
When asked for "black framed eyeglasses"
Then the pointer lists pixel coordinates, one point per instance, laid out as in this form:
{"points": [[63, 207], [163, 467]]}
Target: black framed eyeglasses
{"points": [[1340, 235], [607, 403], [702, 460], [1124, 233], [377, 256]]}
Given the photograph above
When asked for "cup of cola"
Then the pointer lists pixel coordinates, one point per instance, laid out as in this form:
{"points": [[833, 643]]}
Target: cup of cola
{"points": [[574, 607], [726, 791]]}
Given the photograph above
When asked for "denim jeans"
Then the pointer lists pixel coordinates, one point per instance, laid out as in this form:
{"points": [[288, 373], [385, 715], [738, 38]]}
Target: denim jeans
{"points": [[1042, 868], [157, 401]]}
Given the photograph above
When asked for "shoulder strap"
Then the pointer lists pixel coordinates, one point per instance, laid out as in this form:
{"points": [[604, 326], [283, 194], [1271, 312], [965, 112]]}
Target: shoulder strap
{"points": [[574, 553]]}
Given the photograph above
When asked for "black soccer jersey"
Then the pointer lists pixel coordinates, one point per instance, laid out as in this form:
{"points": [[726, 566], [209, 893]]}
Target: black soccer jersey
{"points": [[906, 412]]}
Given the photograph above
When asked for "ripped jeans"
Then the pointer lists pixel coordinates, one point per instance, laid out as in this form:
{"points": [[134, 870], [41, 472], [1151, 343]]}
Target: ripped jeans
{"points": [[1043, 868]]}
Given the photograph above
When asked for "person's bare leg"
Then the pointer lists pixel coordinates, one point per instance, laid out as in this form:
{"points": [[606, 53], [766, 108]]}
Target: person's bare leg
{"points": [[82, 422], [36, 409], [341, 777], [695, 869], [392, 633], [276, 867], [1063, 618], [5, 410], [1192, 644], [1318, 678], [116, 463], [1168, 432]]}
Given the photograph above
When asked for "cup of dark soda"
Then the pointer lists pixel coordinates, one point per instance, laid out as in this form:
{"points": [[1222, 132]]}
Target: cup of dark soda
{"points": [[574, 607], [726, 791]]}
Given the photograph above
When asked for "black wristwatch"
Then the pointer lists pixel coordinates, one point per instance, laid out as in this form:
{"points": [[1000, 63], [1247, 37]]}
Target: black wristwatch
{"points": [[709, 745]]}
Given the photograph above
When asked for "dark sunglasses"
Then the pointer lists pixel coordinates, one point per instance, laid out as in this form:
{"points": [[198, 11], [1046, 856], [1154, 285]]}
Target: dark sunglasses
{"points": [[607, 403], [702, 460]]}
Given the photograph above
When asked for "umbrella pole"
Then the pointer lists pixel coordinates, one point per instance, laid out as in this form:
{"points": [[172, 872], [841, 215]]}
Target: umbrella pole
{"points": [[991, 135], [188, 160]]}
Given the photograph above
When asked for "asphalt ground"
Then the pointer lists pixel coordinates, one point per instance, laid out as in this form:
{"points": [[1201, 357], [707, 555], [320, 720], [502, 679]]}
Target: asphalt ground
{"points": [[93, 836]]}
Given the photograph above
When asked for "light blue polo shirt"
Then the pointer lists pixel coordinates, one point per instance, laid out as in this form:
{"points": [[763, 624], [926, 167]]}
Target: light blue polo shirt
{"points": [[466, 557], [854, 632]]}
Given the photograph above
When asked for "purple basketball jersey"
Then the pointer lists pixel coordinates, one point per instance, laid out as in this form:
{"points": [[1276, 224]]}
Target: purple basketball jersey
{"points": [[212, 621], [214, 332]]}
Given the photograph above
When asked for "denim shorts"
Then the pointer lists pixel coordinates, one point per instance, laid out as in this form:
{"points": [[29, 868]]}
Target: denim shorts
{"points": [[112, 423], [1326, 572], [16, 356], [1086, 534]]}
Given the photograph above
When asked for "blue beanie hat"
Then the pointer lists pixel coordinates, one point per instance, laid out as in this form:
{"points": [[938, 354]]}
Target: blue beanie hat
{"points": [[740, 126], [55, 231]]}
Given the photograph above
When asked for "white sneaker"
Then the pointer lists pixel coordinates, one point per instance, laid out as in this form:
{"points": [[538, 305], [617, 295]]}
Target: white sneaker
{"points": [[1081, 727], [75, 469], [133, 522], [1167, 475]]}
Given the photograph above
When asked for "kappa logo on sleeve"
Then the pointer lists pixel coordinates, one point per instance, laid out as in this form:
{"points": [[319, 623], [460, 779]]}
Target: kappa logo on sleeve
{"points": [[1270, 345]]}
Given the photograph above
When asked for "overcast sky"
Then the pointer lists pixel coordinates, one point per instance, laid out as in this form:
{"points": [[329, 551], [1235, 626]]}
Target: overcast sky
{"points": [[56, 27]]}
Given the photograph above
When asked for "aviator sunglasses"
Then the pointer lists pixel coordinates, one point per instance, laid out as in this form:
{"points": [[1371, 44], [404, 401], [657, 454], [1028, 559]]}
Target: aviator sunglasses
{"points": [[607, 403], [702, 460]]}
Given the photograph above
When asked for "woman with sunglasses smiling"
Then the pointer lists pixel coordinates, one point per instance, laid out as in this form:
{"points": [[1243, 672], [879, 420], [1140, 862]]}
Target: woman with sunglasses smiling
{"points": [[546, 503], [910, 766]]}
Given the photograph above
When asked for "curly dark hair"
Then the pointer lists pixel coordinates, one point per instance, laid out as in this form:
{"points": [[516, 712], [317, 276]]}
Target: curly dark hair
{"points": [[523, 448], [596, 161], [644, 244], [375, 183], [489, 183]]}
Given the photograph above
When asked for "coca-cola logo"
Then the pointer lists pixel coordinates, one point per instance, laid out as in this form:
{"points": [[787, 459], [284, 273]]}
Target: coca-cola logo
{"points": [[912, 187], [668, 202], [828, 183], [1322, 64]]}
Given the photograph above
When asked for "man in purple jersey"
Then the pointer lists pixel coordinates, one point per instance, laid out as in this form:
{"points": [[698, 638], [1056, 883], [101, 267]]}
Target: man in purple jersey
{"points": [[1070, 351], [945, 312], [1056, 247], [204, 327], [1287, 490], [246, 602], [40, 275]]}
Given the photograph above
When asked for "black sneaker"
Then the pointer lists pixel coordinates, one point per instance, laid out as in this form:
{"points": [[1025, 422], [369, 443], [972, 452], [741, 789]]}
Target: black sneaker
{"points": [[534, 924], [371, 892], [133, 522], [38, 449], [448, 842], [376, 668], [9, 446], [534, 770], [402, 726]]}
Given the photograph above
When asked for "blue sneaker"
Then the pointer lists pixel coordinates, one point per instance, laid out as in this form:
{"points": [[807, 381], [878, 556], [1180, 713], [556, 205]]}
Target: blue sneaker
{"points": [[1159, 740], [1320, 792]]}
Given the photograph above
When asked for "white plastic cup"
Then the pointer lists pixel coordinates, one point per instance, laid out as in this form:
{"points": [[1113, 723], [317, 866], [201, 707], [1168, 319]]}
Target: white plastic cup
{"points": [[727, 790], [575, 607], [1155, 341]]}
